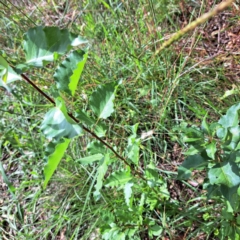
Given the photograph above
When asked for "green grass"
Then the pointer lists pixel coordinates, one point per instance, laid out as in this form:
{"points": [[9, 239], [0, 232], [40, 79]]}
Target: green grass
{"points": [[157, 93]]}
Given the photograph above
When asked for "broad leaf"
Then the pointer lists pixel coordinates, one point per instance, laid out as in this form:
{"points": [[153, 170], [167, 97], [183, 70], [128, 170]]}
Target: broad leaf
{"points": [[231, 118], [3, 69], [155, 230], [68, 73], [90, 159], [234, 137], [152, 175], [194, 162], [226, 173], [54, 159], [133, 149], [191, 162], [128, 193], [183, 173], [205, 126], [58, 124], [211, 149], [102, 169], [231, 195], [7, 74], [98, 127], [118, 178], [96, 147], [42, 43], [101, 101], [133, 145]]}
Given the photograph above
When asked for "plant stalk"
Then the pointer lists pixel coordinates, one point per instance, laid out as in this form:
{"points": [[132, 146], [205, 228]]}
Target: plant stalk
{"points": [[85, 128], [223, 5]]}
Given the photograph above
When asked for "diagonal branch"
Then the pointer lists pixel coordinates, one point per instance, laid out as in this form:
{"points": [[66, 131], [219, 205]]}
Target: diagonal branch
{"points": [[223, 5], [85, 128]]}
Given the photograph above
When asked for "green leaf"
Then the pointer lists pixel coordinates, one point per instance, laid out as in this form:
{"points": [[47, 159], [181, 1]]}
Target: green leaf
{"points": [[3, 69], [211, 149], [152, 175], [191, 162], [192, 134], [226, 173], [194, 162], [222, 133], [231, 196], [205, 126], [192, 150], [102, 169], [58, 124], [118, 178], [7, 74], [183, 173], [133, 145], [54, 159], [42, 43], [90, 159], [128, 193], [231, 118], [101, 101], [133, 149], [96, 147], [234, 137], [98, 127], [155, 230], [69, 72]]}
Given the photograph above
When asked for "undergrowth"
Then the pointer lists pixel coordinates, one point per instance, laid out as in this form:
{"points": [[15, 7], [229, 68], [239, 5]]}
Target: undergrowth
{"points": [[139, 146]]}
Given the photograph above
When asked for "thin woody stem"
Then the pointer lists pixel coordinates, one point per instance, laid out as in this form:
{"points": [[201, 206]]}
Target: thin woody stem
{"points": [[85, 128], [194, 24]]}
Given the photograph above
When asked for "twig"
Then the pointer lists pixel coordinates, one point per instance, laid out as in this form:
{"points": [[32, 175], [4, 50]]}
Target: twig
{"points": [[193, 25], [85, 128]]}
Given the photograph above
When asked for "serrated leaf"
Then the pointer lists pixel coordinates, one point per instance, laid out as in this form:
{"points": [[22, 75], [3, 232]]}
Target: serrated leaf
{"points": [[69, 72], [226, 173], [133, 149], [128, 193], [101, 100], [118, 178], [58, 124], [54, 159], [211, 149], [102, 169], [133, 145], [42, 43], [96, 147], [90, 159], [98, 127], [231, 118]]}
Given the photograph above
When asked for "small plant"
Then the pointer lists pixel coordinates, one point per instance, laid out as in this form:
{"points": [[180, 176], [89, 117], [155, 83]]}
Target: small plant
{"points": [[215, 149], [43, 45], [135, 200]]}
